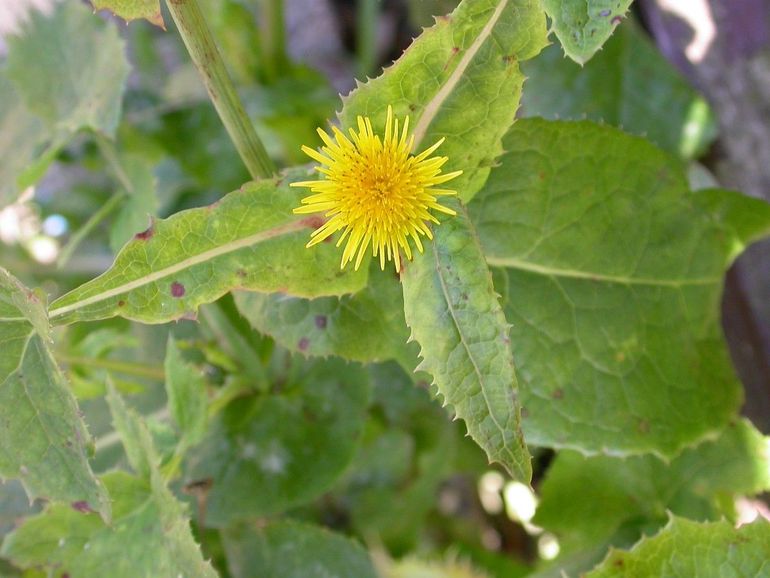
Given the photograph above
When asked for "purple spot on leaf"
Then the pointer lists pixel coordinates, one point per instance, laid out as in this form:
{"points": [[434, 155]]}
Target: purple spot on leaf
{"points": [[605, 13], [146, 234], [82, 507], [177, 290], [616, 20], [303, 344], [320, 321]]}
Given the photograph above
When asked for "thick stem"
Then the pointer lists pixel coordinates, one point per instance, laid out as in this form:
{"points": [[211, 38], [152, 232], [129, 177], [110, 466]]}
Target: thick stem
{"points": [[205, 55]]}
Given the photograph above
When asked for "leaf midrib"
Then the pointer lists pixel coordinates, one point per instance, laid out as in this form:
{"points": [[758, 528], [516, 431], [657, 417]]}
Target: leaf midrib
{"points": [[432, 108], [203, 257], [522, 265], [464, 342]]}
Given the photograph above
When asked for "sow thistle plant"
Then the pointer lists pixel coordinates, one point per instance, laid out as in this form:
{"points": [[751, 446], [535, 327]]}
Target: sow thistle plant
{"points": [[376, 191], [556, 288]]}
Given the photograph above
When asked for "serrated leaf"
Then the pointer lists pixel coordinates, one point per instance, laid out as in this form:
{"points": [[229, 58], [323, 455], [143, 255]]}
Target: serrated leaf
{"points": [[459, 79], [630, 85], [640, 490], [333, 325], [286, 549], [582, 27], [149, 536], [455, 316], [250, 239], [134, 435], [187, 399], [267, 453], [687, 548], [133, 9], [70, 68], [611, 273], [44, 440]]}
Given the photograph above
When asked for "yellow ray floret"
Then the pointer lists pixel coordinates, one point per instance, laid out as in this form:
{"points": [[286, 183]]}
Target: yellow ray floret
{"points": [[375, 191]]}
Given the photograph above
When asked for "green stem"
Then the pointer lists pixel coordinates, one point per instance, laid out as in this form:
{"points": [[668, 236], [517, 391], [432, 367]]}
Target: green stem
{"points": [[274, 36], [233, 389], [74, 242], [205, 55], [126, 368], [367, 12], [217, 322], [107, 149]]}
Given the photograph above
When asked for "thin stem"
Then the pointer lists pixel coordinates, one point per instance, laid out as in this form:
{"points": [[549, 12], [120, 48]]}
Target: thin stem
{"points": [[124, 367], [107, 149], [205, 55], [234, 344], [367, 12], [233, 389], [88, 226], [273, 35]]}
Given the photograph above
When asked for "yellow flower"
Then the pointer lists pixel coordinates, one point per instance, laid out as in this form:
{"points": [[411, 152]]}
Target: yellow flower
{"points": [[375, 191]]}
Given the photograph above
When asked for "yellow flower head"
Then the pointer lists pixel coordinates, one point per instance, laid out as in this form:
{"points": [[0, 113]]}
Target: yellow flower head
{"points": [[375, 191]]}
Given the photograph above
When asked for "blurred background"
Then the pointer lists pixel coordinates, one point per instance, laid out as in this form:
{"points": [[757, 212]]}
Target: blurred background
{"points": [[693, 76]]}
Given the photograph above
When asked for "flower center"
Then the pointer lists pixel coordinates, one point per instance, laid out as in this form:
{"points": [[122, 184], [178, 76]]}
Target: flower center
{"points": [[375, 192]]}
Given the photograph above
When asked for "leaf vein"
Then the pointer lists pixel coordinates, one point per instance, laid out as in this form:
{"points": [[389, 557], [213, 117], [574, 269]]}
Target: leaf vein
{"points": [[464, 342], [198, 259]]}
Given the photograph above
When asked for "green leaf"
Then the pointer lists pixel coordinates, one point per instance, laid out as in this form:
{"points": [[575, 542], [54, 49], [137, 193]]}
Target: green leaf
{"points": [[136, 439], [187, 399], [640, 490], [43, 441], [408, 450], [630, 85], [149, 536], [611, 273], [133, 9], [140, 202], [460, 79], [455, 316], [686, 548], [250, 239], [70, 68], [582, 27], [288, 549], [333, 325], [21, 136], [267, 453]]}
